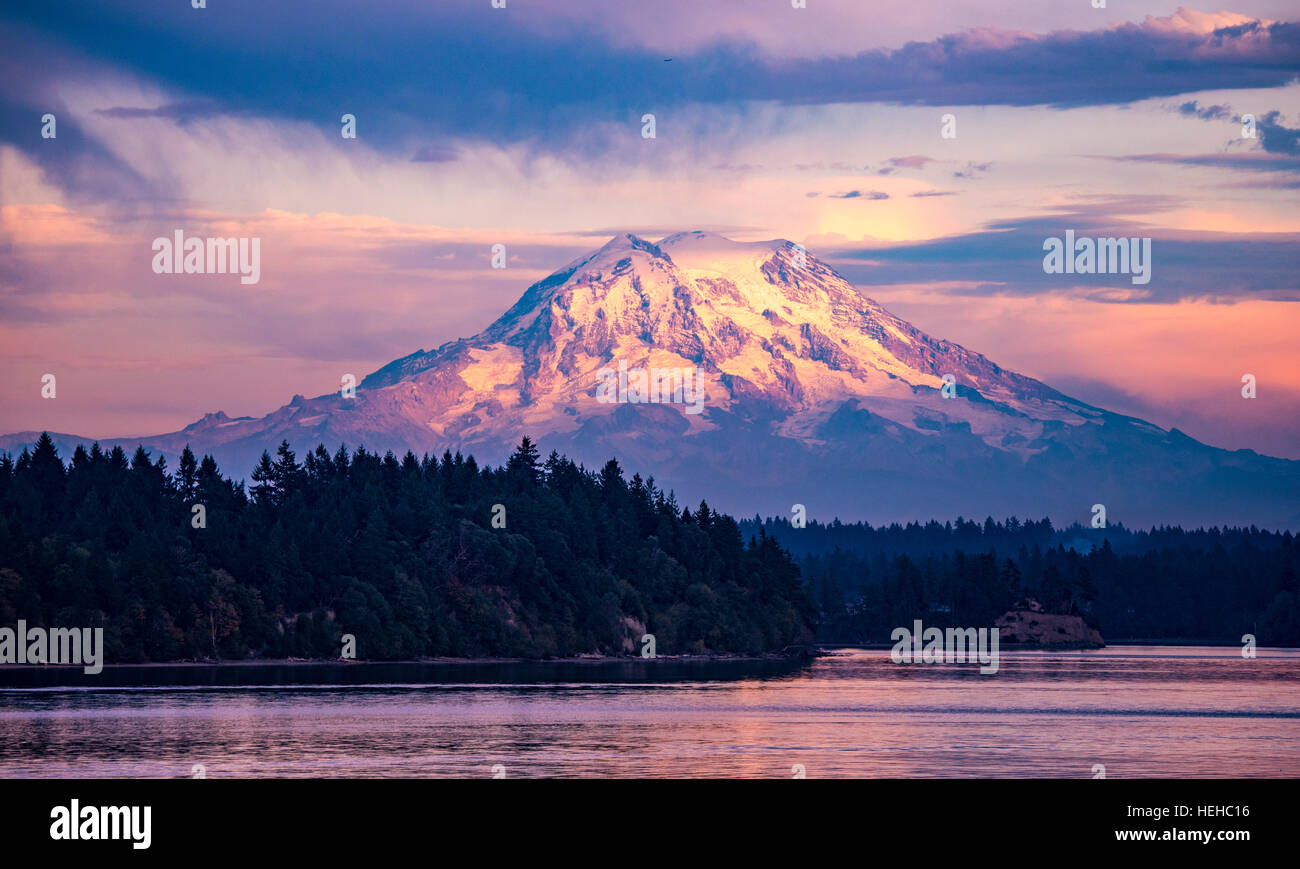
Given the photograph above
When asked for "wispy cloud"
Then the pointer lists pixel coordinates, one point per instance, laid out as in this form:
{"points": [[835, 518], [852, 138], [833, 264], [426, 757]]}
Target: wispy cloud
{"points": [[181, 112], [875, 195], [1248, 161], [1006, 258], [916, 161], [972, 170]]}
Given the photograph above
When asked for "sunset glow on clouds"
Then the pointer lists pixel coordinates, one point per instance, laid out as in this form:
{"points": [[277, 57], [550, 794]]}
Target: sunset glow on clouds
{"points": [[521, 127]]}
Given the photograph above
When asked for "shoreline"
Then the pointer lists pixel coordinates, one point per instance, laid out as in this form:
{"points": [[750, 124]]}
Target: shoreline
{"points": [[1057, 647], [803, 654], [808, 653]]}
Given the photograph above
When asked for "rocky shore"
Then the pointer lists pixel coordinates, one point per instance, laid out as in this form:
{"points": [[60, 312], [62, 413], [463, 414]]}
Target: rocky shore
{"points": [[1047, 630]]}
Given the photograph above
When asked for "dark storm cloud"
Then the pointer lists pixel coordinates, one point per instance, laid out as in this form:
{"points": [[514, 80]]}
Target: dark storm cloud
{"points": [[461, 69]]}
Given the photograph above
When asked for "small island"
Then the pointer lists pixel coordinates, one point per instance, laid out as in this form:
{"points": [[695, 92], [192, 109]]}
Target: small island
{"points": [[1030, 627]]}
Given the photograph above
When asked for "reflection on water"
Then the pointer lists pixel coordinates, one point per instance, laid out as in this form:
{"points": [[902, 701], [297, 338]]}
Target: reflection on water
{"points": [[1169, 712]]}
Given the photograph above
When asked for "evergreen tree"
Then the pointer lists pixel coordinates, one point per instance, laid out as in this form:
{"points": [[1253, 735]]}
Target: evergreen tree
{"points": [[187, 476], [265, 490], [524, 463]]}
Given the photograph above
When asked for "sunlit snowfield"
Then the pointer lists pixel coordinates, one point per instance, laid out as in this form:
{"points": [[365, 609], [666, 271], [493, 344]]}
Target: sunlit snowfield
{"points": [[1162, 712]]}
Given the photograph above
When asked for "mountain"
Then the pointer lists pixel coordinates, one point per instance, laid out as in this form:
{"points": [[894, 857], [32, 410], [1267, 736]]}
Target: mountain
{"points": [[812, 394]]}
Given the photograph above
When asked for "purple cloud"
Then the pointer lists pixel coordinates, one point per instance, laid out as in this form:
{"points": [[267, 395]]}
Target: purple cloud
{"points": [[1250, 161], [916, 161], [1206, 113], [1276, 138], [972, 169], [858, 194]]}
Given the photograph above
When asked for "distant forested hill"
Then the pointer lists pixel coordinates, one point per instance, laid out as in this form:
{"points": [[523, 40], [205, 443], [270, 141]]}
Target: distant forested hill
{"points": [[402, 553], [1166, 583]]}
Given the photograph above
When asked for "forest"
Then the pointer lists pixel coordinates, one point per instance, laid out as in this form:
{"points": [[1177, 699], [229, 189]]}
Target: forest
{"points": [[439, 557], [1205, 585], [412, 557]]}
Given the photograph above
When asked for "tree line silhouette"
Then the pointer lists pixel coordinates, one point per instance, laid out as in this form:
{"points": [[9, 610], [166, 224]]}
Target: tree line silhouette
{"points": [[1167, 583], [405, 555], [401, 553]]}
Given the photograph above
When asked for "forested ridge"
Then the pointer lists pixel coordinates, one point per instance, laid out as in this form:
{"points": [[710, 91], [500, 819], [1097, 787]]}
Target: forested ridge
{"points": [[1203, 585], [403, 554], [435, 556]]}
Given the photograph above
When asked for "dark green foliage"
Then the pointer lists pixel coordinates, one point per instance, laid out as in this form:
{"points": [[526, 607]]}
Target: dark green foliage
{"points": [[1209, 585], [401, 553]]}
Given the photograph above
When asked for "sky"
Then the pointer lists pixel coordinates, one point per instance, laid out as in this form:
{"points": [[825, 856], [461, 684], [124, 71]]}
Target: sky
{"points": [[522, 126]]}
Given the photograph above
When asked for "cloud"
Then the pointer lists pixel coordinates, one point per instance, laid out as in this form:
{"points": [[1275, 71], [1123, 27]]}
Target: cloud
{"points": [[1276, 138], [1251, 161], [1064, 68], [858, 194], [516, 74], [972, 169], [916, 161], [181, 112], [1279, 151], [924, 193], [1207, 113], [76, 161], [1006, 258]]}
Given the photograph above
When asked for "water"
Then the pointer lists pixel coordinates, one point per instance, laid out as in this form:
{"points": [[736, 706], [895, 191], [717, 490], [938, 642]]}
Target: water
{"points": [[1141, 712]]}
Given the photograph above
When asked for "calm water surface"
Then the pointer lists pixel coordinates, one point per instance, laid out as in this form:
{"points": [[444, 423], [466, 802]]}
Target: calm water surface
{"points": [[1165, 712]]}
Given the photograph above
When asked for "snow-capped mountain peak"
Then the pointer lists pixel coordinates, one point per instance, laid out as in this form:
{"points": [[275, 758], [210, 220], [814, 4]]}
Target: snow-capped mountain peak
{"points": [[801, 388], [764, 325]]}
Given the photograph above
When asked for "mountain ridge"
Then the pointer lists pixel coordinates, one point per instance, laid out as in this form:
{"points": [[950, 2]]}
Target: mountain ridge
{"points": [[807, 384]]}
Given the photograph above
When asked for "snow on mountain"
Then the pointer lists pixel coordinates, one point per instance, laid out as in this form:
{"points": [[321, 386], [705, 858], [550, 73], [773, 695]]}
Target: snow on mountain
{"points": [[812, 394], [762, 330]]}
